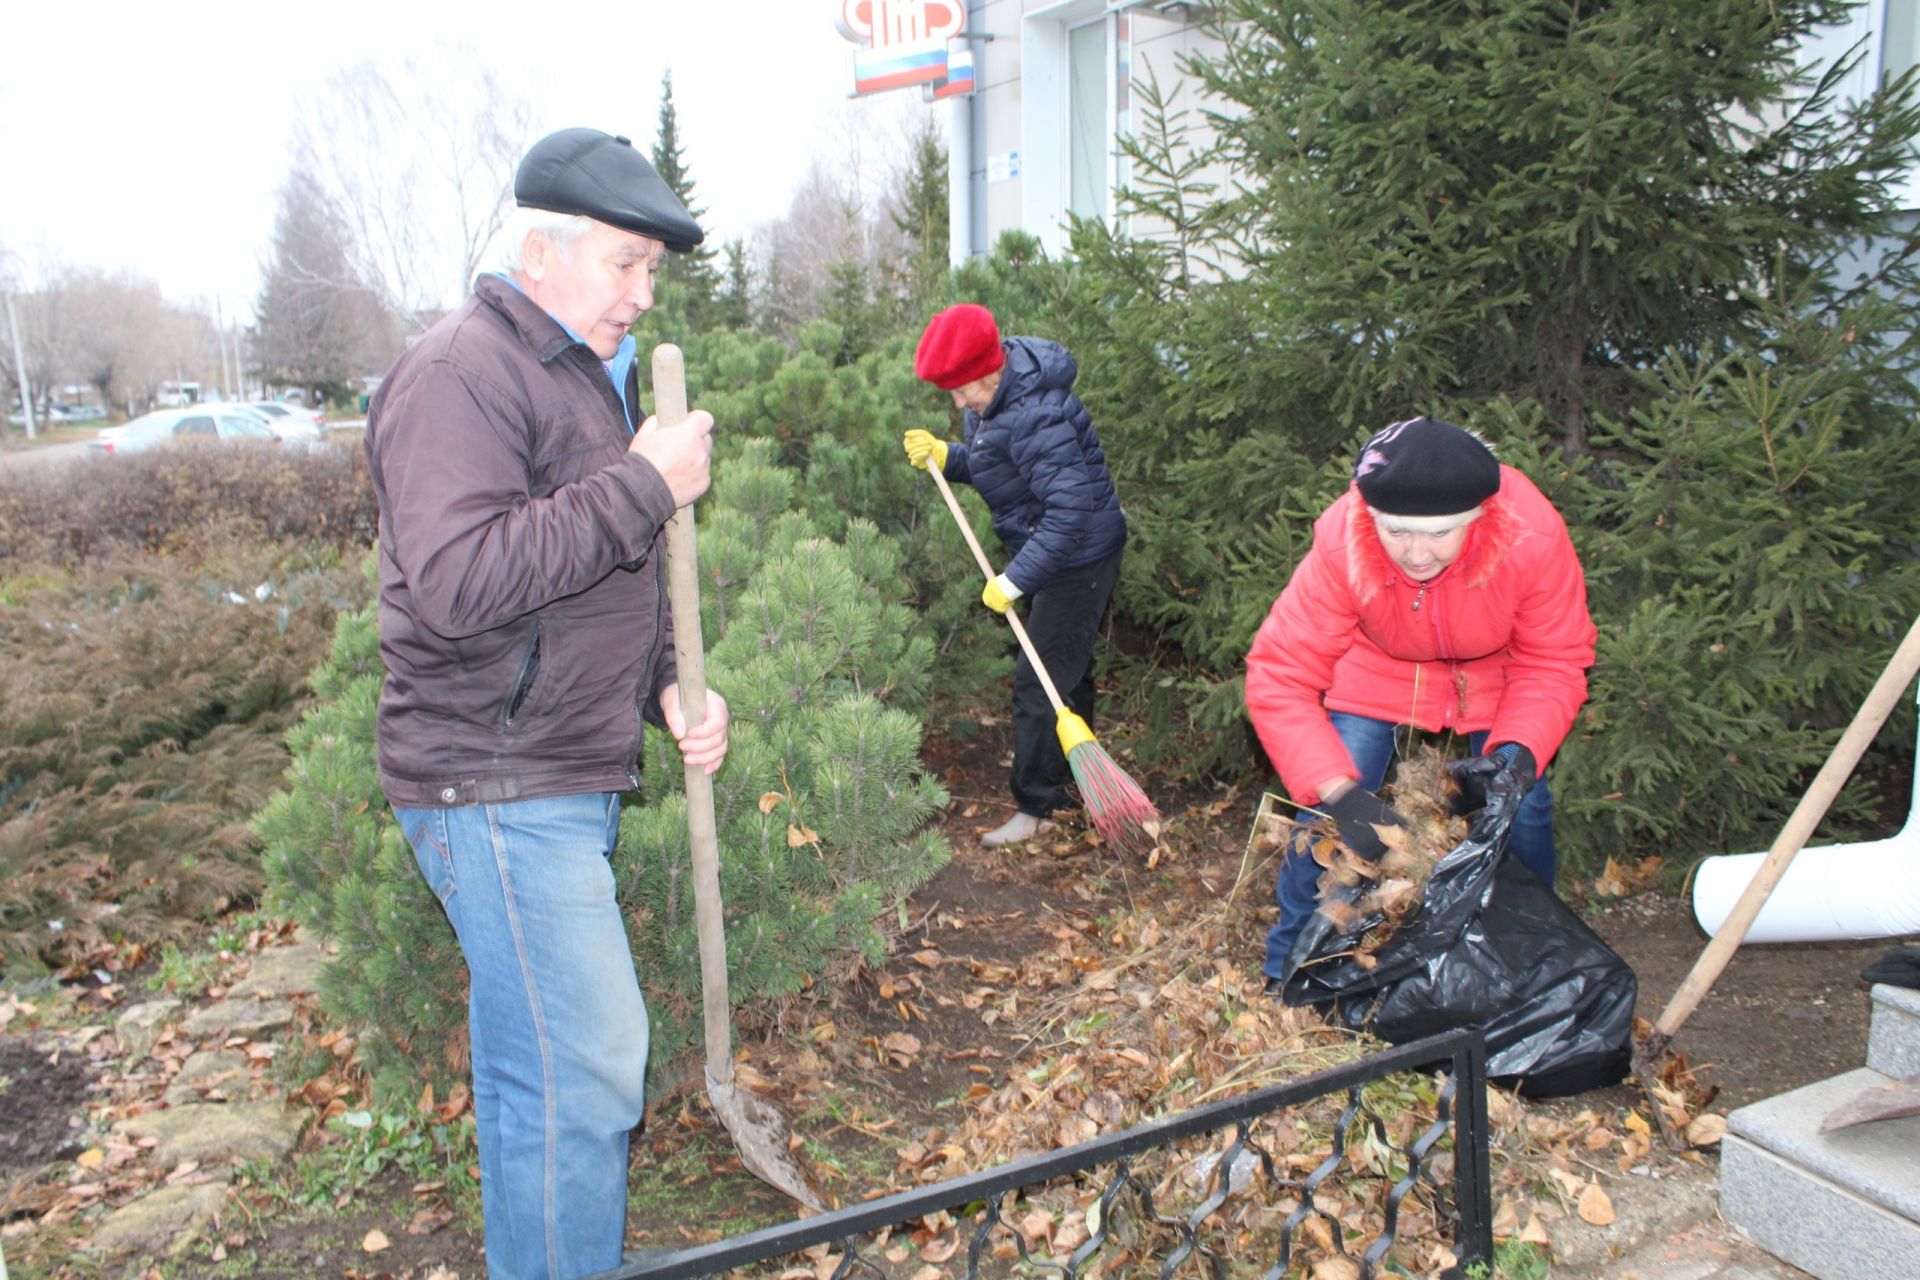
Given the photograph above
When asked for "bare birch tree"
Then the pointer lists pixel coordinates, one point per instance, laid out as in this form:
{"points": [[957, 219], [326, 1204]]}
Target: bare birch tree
{"points": [[419, 159]]}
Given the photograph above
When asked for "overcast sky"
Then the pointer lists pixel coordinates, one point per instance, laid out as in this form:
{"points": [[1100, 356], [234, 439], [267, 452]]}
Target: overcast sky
{"points": [[154, 136]]}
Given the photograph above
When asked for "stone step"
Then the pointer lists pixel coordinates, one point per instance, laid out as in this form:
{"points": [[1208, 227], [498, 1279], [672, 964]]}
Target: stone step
{"points": [[1893, 1044], [1842, 1205]]}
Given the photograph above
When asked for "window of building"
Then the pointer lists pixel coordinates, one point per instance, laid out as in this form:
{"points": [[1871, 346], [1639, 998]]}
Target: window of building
{"points": [[1089, 122]]}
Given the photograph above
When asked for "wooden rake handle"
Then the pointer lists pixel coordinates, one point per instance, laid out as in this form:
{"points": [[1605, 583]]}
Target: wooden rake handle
{"points": [[690, 658], [986, 567]]}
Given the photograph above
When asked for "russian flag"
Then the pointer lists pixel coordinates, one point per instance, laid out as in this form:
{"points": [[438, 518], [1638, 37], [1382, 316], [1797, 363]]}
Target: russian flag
{"points": [[896, 67], [959, 73]]}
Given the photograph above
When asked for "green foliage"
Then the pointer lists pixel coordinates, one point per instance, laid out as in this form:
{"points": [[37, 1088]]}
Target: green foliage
{"points": [[1750, 551], [361, 1145], [919, 212], [821, 807], [689, 282], [1531, 201]]}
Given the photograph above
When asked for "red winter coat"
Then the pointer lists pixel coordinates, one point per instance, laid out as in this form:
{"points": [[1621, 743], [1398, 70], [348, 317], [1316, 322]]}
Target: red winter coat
{"points": [[1500, 640]]}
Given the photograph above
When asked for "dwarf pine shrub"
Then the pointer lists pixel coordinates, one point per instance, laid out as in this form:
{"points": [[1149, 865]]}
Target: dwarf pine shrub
{"points": [[821, 807]]}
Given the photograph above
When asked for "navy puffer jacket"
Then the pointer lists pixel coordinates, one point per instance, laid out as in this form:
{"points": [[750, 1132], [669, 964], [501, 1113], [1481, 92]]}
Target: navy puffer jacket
{"points": [[1035, 457]]}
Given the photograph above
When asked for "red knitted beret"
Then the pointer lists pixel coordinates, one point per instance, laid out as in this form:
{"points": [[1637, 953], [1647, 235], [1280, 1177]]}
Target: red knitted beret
{"points": [[961, 344]]}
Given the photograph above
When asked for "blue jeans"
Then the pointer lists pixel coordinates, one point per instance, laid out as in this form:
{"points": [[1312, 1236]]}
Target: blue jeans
{"points": [[554, 1012], [1370, 743]]}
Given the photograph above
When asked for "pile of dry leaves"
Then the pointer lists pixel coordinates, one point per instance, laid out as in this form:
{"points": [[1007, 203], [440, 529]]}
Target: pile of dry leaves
{"points": [[1144, 1016], [1354, 891]]}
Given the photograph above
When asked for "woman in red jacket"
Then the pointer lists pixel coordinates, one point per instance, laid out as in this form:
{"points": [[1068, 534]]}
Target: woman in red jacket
{"points": [[1441, 592]]}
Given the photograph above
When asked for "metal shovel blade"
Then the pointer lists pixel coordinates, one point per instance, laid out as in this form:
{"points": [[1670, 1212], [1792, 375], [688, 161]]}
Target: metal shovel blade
{"points": [[760, 1134]]}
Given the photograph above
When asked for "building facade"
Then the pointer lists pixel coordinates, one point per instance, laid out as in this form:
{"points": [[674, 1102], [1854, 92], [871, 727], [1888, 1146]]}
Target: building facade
{"points": [[1039, 137]]}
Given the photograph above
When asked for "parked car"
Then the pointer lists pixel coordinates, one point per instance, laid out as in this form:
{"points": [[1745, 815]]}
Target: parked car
{"points": [[196, 424], [292, 423]]}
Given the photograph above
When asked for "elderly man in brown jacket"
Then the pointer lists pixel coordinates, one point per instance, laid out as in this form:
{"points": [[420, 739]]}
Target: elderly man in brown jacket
{"points": [[524, 626]]}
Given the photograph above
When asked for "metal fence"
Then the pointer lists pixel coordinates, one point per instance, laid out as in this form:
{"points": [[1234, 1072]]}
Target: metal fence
{"points": [[1234, 1209]]}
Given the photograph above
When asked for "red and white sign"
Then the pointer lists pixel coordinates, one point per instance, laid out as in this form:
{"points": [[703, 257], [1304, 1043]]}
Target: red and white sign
{"points": [[892, 24]]}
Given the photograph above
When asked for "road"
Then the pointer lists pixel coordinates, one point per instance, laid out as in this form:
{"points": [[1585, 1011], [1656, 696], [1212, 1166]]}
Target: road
{"points": [[77, 450], [45, 454]]}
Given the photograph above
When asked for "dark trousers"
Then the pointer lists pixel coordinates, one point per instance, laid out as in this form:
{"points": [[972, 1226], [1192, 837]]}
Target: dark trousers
{"points": [[1063, 621]]}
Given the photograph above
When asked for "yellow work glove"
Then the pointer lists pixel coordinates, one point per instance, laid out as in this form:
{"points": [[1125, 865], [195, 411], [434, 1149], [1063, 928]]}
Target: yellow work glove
{"points": [[1000, 593], [922, 445], [1071, 730]]}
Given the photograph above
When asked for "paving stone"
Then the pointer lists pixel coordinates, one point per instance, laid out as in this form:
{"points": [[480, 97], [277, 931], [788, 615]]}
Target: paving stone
{"points": [[223, 1069], [138, 1027], [164, 1221], [1645, 1208], [238, 1017], [1893, 1042], [1812, 1222], [281, 972], [216, 1132]]}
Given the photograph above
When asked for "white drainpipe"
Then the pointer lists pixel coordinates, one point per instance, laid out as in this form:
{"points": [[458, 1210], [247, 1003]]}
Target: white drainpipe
{"points": [[1867, 889]]}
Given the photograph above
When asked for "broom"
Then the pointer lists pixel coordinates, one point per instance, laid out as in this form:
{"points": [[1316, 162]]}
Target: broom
{"points": [[1120, 810]]}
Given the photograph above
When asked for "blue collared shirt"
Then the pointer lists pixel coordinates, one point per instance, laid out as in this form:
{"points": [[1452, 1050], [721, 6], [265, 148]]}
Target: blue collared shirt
{"points": [[616, 368]]}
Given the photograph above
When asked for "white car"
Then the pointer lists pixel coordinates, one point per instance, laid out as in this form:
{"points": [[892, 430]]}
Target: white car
{"points": [[195, 424], [292, 423]]}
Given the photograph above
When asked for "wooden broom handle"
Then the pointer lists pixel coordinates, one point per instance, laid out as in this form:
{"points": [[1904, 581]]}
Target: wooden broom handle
{"points": [[1799, 827], [980, 558], [690, 658]]}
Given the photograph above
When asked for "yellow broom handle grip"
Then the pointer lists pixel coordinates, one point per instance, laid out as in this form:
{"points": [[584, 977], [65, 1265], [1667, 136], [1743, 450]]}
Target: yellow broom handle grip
{"points": [[986, 568]]}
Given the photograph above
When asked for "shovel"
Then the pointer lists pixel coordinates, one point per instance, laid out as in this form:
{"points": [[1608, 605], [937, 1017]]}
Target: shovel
{"points": [[758, 1130]]}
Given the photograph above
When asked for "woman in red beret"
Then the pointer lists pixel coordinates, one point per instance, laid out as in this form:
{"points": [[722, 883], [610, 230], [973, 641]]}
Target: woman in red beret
{"points": [[1031, 451], [1441, 592]]}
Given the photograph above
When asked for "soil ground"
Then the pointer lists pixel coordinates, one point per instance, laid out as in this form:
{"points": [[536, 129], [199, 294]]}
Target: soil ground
{"points": [[1779, 1017]]}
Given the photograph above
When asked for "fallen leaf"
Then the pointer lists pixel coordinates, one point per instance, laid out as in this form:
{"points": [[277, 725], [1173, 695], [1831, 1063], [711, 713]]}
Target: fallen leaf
{"points": [[1596, 1207], [1707, 1130], [375, 1241], [1534, 1233], [769, 799], [91, 1158], [798, 835]]}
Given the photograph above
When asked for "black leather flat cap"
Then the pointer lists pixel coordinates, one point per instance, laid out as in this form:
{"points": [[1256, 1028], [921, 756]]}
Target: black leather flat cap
{"points": [[604, 177]]}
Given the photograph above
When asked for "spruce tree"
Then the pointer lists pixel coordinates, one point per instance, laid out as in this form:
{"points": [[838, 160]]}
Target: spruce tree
{"points": [[1502, 197], [691, 275], [734, 304], [917, 207]]}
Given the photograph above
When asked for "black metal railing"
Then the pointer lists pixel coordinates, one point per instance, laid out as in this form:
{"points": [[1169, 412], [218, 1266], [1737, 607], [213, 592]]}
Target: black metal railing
{"points": [[1247, 1216]]}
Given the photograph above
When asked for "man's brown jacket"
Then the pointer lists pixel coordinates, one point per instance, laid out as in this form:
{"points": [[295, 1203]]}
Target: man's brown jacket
{"points": [[523, 616]]}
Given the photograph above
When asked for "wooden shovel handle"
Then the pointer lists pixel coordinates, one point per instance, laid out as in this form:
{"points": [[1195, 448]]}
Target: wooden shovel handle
{"points": [[1806, 815], [986, 567], [690, 657]]}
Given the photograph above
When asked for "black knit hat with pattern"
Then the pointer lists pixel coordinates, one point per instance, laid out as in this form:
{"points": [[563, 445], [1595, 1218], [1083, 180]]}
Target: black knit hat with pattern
{"points": [[1426, 467]]}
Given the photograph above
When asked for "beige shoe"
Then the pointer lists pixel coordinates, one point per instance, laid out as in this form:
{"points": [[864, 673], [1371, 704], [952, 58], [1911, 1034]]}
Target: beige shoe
{"points": [[1019, 828]]}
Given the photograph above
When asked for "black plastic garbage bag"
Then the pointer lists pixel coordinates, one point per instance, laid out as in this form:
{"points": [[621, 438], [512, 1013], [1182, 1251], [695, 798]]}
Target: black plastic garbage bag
{"points": [[1491, 947]]}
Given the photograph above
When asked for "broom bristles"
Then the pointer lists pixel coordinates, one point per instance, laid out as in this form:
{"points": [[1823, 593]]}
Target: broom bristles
{"points": [[1120, 810]]}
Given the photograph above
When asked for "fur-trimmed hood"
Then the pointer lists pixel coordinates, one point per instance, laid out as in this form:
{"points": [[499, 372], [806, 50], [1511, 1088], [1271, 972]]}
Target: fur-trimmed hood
{"points": [[1370, 568]]}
